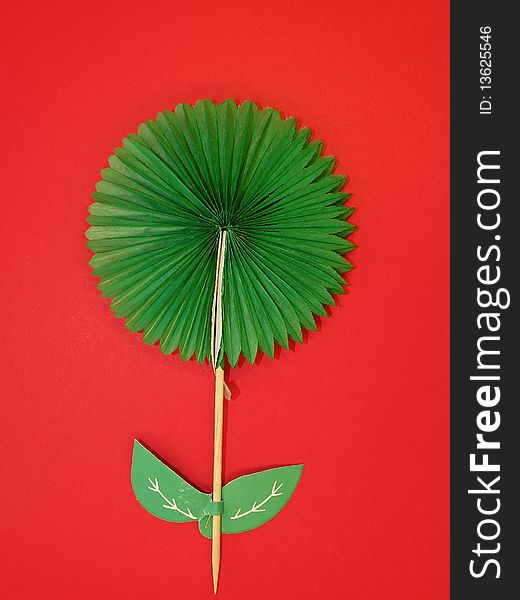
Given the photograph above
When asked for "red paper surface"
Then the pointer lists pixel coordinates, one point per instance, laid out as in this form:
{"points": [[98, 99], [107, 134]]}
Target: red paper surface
{"points": [[363, 403]]}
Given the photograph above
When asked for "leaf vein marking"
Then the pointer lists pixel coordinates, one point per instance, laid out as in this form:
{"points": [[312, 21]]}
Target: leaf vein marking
{"points": [[256, 508], [169, 504]]}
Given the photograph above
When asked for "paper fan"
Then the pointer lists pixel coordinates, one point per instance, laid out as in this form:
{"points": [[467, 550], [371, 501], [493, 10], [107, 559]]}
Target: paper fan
{"points": [[219, 230]]}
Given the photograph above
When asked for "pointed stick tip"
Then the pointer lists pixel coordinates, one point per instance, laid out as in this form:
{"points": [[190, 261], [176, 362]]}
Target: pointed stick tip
{"points": [[215, 559]]}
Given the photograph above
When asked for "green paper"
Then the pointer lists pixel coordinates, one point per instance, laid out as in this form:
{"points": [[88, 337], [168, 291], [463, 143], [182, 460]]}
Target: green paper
{"points": [[162, 492], [175, 185], [247, 502], [252, 500]]}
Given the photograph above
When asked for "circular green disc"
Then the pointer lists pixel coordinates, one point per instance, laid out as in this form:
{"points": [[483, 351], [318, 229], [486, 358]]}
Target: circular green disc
{"points": [[170, 190]]}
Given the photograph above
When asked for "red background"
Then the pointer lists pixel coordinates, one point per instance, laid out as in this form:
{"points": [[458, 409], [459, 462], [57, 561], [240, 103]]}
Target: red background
{"points": [[363, 403]]}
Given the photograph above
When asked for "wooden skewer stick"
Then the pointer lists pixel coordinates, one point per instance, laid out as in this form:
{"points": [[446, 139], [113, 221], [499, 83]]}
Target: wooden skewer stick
{"points": [[217, 473], [216, 344]]}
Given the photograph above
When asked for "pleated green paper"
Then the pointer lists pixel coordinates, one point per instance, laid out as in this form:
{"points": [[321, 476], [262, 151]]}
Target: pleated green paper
{"points": [[170, 190]]}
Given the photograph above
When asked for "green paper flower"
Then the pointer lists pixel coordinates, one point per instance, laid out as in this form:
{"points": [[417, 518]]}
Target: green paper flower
{"points": [[170, 190]]}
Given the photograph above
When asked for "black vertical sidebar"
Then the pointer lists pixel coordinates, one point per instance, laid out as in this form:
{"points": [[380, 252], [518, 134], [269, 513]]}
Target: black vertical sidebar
{"points": [[485, 244]]}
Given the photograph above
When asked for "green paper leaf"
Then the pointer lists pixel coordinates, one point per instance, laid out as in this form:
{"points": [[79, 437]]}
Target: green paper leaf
{"points": [[252, 500], [170, 190], [162, 492]]}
